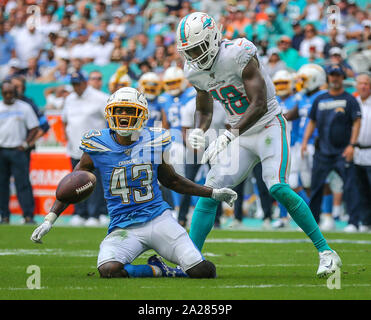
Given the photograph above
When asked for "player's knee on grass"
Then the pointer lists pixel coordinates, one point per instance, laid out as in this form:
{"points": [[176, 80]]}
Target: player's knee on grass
{"points": [[112, 269], [204, 269]]}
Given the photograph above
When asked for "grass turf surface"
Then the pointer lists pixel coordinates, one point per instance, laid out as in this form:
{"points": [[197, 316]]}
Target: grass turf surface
{"points": [[250, 265]]}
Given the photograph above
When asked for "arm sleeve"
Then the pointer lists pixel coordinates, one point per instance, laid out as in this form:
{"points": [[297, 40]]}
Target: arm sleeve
{"points": [[245, 51], [31, 119], [355, 109]]}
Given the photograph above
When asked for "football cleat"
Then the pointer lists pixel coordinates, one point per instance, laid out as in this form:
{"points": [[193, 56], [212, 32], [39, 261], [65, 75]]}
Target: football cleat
{"points": [[329, 262], [165, 269]]}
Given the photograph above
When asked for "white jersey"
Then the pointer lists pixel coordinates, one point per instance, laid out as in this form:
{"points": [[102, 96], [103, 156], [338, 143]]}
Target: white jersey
{"points": [[224, 81]]}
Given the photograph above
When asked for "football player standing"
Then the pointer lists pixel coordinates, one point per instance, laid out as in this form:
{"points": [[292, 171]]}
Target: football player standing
{"points": [[232, 72]]}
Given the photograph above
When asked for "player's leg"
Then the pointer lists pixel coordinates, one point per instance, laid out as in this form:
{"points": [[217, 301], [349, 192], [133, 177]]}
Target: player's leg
{"points": [[19, 169], [117, 251], [4, 185], [276, 168], [233, 166], [170, 240], [277, 183]]}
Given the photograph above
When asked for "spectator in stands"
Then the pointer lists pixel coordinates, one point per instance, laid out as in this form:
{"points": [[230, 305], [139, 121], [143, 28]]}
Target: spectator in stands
{"points": [[117, 51], [16, 118], [95, 80], [56, 97], [298, 35], [103, 50], [83, 110], [337, 56], [311, 39], [7, 50], [287, 53], [133, 24], [333, 42], [145, 48], [362, 153], [274, 63], [29, 43], [32, 71]]}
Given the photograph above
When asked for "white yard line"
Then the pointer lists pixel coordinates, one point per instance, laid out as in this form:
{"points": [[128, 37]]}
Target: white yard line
{"points": [[283, 241]]}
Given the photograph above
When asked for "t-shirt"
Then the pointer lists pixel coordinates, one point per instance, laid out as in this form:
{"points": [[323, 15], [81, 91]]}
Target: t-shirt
{"points": [[334, 117]]}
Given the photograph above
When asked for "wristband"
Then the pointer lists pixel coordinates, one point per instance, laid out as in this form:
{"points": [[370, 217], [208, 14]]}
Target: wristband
{"points": [[51, 217], [25, 145]]}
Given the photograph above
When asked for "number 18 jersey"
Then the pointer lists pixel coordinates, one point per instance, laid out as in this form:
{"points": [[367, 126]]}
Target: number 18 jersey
{"points": [[224, 81]]}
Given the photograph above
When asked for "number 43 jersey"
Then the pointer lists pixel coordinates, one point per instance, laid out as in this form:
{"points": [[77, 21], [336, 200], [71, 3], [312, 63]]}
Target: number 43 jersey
{"points": [[224, 81], [129, 174]]}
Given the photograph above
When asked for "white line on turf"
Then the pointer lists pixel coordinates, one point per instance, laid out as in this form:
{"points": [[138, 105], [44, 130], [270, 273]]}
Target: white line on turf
{"points": [[283, 241]]}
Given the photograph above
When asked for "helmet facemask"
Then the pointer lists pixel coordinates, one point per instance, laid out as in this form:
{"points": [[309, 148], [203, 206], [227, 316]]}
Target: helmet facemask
{"points": [[125, 118]]}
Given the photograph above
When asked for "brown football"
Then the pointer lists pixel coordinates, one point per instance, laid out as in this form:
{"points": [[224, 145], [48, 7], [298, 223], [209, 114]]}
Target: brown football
{"points": [[76, 186]]}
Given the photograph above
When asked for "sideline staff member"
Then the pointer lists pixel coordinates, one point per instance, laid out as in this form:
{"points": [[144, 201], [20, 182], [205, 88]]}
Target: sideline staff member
{"points": [[16, 117], [337, 116]]}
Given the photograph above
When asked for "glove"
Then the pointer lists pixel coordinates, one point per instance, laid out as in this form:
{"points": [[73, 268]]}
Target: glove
{"points": [[217, 146], [225, 194], [44, 228], [197, 138], [41, 231]]}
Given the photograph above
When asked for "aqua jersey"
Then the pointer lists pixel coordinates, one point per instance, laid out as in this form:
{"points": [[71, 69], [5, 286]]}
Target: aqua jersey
{"points": [[289, 103], [224, 81], [129, 174], [155, 116], [172, 106], [305, 105]]}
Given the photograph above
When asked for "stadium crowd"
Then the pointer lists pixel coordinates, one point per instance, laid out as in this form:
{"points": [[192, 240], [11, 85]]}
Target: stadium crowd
{"points": [[53, 41]]}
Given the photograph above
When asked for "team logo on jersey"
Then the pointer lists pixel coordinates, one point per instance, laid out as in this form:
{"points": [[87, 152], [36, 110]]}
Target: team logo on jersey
{"points": [[340, 110]]}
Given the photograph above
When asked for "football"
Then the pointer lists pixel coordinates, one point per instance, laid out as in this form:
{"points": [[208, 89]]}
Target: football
{"points": [[76, 186]]}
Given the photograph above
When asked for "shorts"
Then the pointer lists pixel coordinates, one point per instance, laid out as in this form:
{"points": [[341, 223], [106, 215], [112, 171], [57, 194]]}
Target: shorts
{"points": [[162, 234], [270, 145]]}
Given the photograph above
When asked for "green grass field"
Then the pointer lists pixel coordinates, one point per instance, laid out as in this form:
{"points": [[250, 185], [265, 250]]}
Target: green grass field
{"points": [[250, 265]]}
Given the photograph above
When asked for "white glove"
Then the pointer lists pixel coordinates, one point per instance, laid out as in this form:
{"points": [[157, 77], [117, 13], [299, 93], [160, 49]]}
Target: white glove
{"points": [[41, 231], [217, 146], [225, 194], [197, 138], [44, 228]]}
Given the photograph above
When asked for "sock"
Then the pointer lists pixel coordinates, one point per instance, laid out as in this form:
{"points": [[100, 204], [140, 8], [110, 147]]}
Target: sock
{"points": [[337, 211], [283, 211], [202, 220], [141, 271], [303, 194], [327, 203], [300, 213]]}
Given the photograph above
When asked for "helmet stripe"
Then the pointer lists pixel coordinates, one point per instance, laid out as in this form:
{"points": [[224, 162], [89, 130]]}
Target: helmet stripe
{"points": [[182, 30]]}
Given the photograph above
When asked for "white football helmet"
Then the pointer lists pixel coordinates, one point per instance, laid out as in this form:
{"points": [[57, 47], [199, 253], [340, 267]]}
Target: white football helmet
{"points": [[116, 82], [126, 111], [174, 81], [310, 77], [283, 82], [150, 85], [198, 40]]}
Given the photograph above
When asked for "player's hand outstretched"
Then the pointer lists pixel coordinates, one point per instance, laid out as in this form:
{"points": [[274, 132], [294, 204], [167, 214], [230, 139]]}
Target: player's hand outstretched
{"points": [[41, 231], [225, 194]]}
